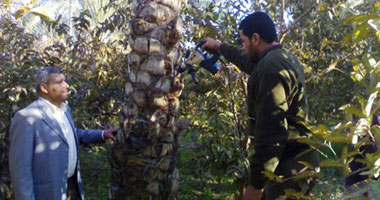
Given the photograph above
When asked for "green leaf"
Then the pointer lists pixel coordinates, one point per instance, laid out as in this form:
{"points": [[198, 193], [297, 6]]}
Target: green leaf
{"points": [[349, 19], [346, 39], [376, 132], [356, 18], [304, 175], [271, 176], [368, 107], [307, 164], [330, 163], [336, 138], [8, 2], [351, 109], [309, 141], [229, 114], [361, 32], [43, 13], [361, 100], [349, 154], [375, 7]]}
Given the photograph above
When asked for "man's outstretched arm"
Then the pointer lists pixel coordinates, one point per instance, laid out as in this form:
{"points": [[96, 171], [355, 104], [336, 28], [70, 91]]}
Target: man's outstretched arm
{"points": [[232, 53]]}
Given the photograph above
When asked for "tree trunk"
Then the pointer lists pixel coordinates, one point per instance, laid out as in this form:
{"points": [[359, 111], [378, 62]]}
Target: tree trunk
{"points": [[144, 157]]}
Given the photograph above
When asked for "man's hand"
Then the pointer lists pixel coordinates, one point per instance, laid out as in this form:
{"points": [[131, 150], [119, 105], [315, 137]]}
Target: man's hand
{"points": [[109, 133], [211, 44], [251, 193]]}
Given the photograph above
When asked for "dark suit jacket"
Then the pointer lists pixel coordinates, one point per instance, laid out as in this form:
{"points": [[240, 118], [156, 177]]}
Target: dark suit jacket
{"points": [[38, 156]]}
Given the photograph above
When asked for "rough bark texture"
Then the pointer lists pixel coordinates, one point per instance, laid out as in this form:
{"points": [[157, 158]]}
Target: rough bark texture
{"points": [[144, 158]]}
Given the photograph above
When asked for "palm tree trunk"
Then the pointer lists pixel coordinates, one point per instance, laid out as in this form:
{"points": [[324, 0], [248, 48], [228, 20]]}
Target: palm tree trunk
{"points": [[143, 159]]}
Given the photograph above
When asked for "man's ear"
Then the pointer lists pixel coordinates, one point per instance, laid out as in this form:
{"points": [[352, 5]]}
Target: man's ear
{"points": [[43, 88], [255, 39]]}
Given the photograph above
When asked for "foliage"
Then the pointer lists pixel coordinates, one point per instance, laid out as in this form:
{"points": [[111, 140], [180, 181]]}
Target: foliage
{"points": [[319, 38], [39, 11], [364, 101], [330, 77], [95, 171], [337, 41], [93, 68], [218, 125]]}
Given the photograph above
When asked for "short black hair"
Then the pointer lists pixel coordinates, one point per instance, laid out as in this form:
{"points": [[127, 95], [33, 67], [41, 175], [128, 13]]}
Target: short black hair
{"points": [[43, 74], [260, 23]]}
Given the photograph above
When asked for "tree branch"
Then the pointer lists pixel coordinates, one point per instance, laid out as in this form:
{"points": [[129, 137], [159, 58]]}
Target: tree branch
{"points": [[282, 16], [221, 37], [296, 21]]}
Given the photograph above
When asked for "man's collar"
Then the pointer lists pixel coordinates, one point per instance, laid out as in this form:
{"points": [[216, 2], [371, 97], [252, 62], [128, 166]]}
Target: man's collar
{"points": [[270, 47], [53, 107]]}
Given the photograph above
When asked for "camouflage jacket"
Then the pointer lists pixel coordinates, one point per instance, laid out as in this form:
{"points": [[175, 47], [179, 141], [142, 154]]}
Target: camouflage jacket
{"points": [[276, 107]]}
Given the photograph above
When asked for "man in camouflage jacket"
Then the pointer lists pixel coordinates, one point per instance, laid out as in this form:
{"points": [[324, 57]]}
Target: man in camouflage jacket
{"points": [[276, 107]]}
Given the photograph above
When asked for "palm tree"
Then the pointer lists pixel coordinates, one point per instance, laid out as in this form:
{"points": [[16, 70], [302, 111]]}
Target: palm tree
{"points": [[30, 14], [143, 159]]}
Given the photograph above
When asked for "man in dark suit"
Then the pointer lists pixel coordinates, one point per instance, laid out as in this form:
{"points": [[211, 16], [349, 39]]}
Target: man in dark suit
{"points": [[43, 156]]}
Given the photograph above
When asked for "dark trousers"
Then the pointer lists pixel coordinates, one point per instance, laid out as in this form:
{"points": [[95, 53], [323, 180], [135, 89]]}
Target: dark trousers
{"points": [[73, 188], [289, 168], [356, 166]]}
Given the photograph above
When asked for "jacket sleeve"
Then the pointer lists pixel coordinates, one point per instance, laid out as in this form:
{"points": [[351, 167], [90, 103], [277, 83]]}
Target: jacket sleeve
{"points": [[21, 156], [89, 136], [271, 128], [238, 57]]}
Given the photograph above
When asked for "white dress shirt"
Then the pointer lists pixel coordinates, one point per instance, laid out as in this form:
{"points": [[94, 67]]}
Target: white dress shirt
{"points": [[67, 130]]}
